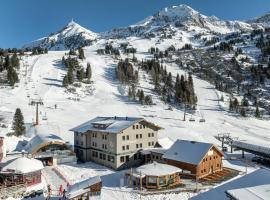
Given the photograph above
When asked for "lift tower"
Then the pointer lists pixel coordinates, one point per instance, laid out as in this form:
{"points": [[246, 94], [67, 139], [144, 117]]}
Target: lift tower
{"points": [[36, 102]]}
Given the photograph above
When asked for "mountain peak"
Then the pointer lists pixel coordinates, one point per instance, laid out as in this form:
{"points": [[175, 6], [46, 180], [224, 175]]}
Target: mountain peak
{"points": [[178, 11], [72, 35]]}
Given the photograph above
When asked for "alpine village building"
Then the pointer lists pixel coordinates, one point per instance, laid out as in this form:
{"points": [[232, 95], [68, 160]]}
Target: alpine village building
{"points": [[196, 159], [114, 142]]}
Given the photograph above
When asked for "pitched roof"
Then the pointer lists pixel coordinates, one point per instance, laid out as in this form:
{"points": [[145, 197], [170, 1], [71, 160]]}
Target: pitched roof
{"points": [[111, 124], [259, 192], [188, 151], [255, 182], [80, 188], [22, 165]]}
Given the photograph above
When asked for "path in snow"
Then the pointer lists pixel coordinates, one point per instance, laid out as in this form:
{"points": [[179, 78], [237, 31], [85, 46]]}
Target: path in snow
{"points": [[53, 179]]}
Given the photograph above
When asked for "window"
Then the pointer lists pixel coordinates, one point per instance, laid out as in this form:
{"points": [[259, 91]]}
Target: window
{"points": [[127, 147], [100, 155], [77, 142], [201, 171], [140, 145], [122, 159], [123, 137], [104, 156], [162, 181], [137, 146], [153, 134], [82, 143], [105, 146], [149, 143], [137, 136], [204, 170], [106, 137], [140, 126], [140, 135], [137, 126], [127, 137], [152, 143], [133, 126], [143, 126], [123, 148], [127, 158], [109, 158], [149, 134], [112, 159], [210, 158], [217, 165]]}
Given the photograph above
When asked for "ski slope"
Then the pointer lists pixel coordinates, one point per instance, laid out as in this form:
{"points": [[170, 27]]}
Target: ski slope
{"points": [[44, 79]]}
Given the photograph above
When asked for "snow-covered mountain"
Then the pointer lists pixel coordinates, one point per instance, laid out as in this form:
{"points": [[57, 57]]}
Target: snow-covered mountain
{"points": [[182, 17], [263, 20], [71, 36]]}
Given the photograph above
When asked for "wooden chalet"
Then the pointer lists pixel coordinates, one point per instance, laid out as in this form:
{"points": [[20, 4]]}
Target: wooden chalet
{"points": [[196, 159]]}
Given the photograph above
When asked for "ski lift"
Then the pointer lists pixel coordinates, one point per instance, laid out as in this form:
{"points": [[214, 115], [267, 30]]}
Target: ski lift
{"points": [[191, 119], [44, 117], [202, 120]]}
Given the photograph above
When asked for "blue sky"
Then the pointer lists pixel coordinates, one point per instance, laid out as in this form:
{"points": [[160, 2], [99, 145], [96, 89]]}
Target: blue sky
{"points": [[25, 20]]}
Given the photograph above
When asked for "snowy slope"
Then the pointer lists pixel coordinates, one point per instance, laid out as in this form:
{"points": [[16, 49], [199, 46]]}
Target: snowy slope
{"points": [[109, 99], [71, 36], [263, 20]]}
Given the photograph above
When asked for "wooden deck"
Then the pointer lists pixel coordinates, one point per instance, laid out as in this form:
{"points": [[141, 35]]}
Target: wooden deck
{"points": [[219, 176]]}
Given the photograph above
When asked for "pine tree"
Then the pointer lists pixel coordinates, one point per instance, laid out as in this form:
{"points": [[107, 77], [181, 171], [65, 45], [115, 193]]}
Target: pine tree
{"points": [[222, 98], [12, 76], [81, 53], [257, 112], [80, 74], [65, 81], [141, 97], [243, 112], [14, 61], [148, 100], [18, 123], [88, 72]]}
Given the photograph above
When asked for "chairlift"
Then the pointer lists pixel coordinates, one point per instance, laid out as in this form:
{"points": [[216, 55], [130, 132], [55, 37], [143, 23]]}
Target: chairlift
{"points": [[44, 117], [202, 120], [191, 119]]}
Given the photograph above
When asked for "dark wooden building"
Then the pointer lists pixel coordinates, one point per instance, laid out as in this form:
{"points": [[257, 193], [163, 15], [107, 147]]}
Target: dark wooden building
{"points": [[196, 159]]}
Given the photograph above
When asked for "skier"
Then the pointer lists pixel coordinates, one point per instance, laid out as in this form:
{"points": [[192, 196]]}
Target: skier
{"points": [[60, 190]]}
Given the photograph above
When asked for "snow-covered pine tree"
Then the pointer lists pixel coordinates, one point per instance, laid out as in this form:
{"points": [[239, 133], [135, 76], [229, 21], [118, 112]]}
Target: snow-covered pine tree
{"points": [[18, 123]]}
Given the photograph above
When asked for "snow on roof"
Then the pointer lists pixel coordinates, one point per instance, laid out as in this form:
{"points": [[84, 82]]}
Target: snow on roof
{"points": [[82, 187], [165, 142], [255, 181], [260, 192], [156, 169], [22, 165], [188, 151], [43, 134], [113, 124], [261, 148], [154, 150]]}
